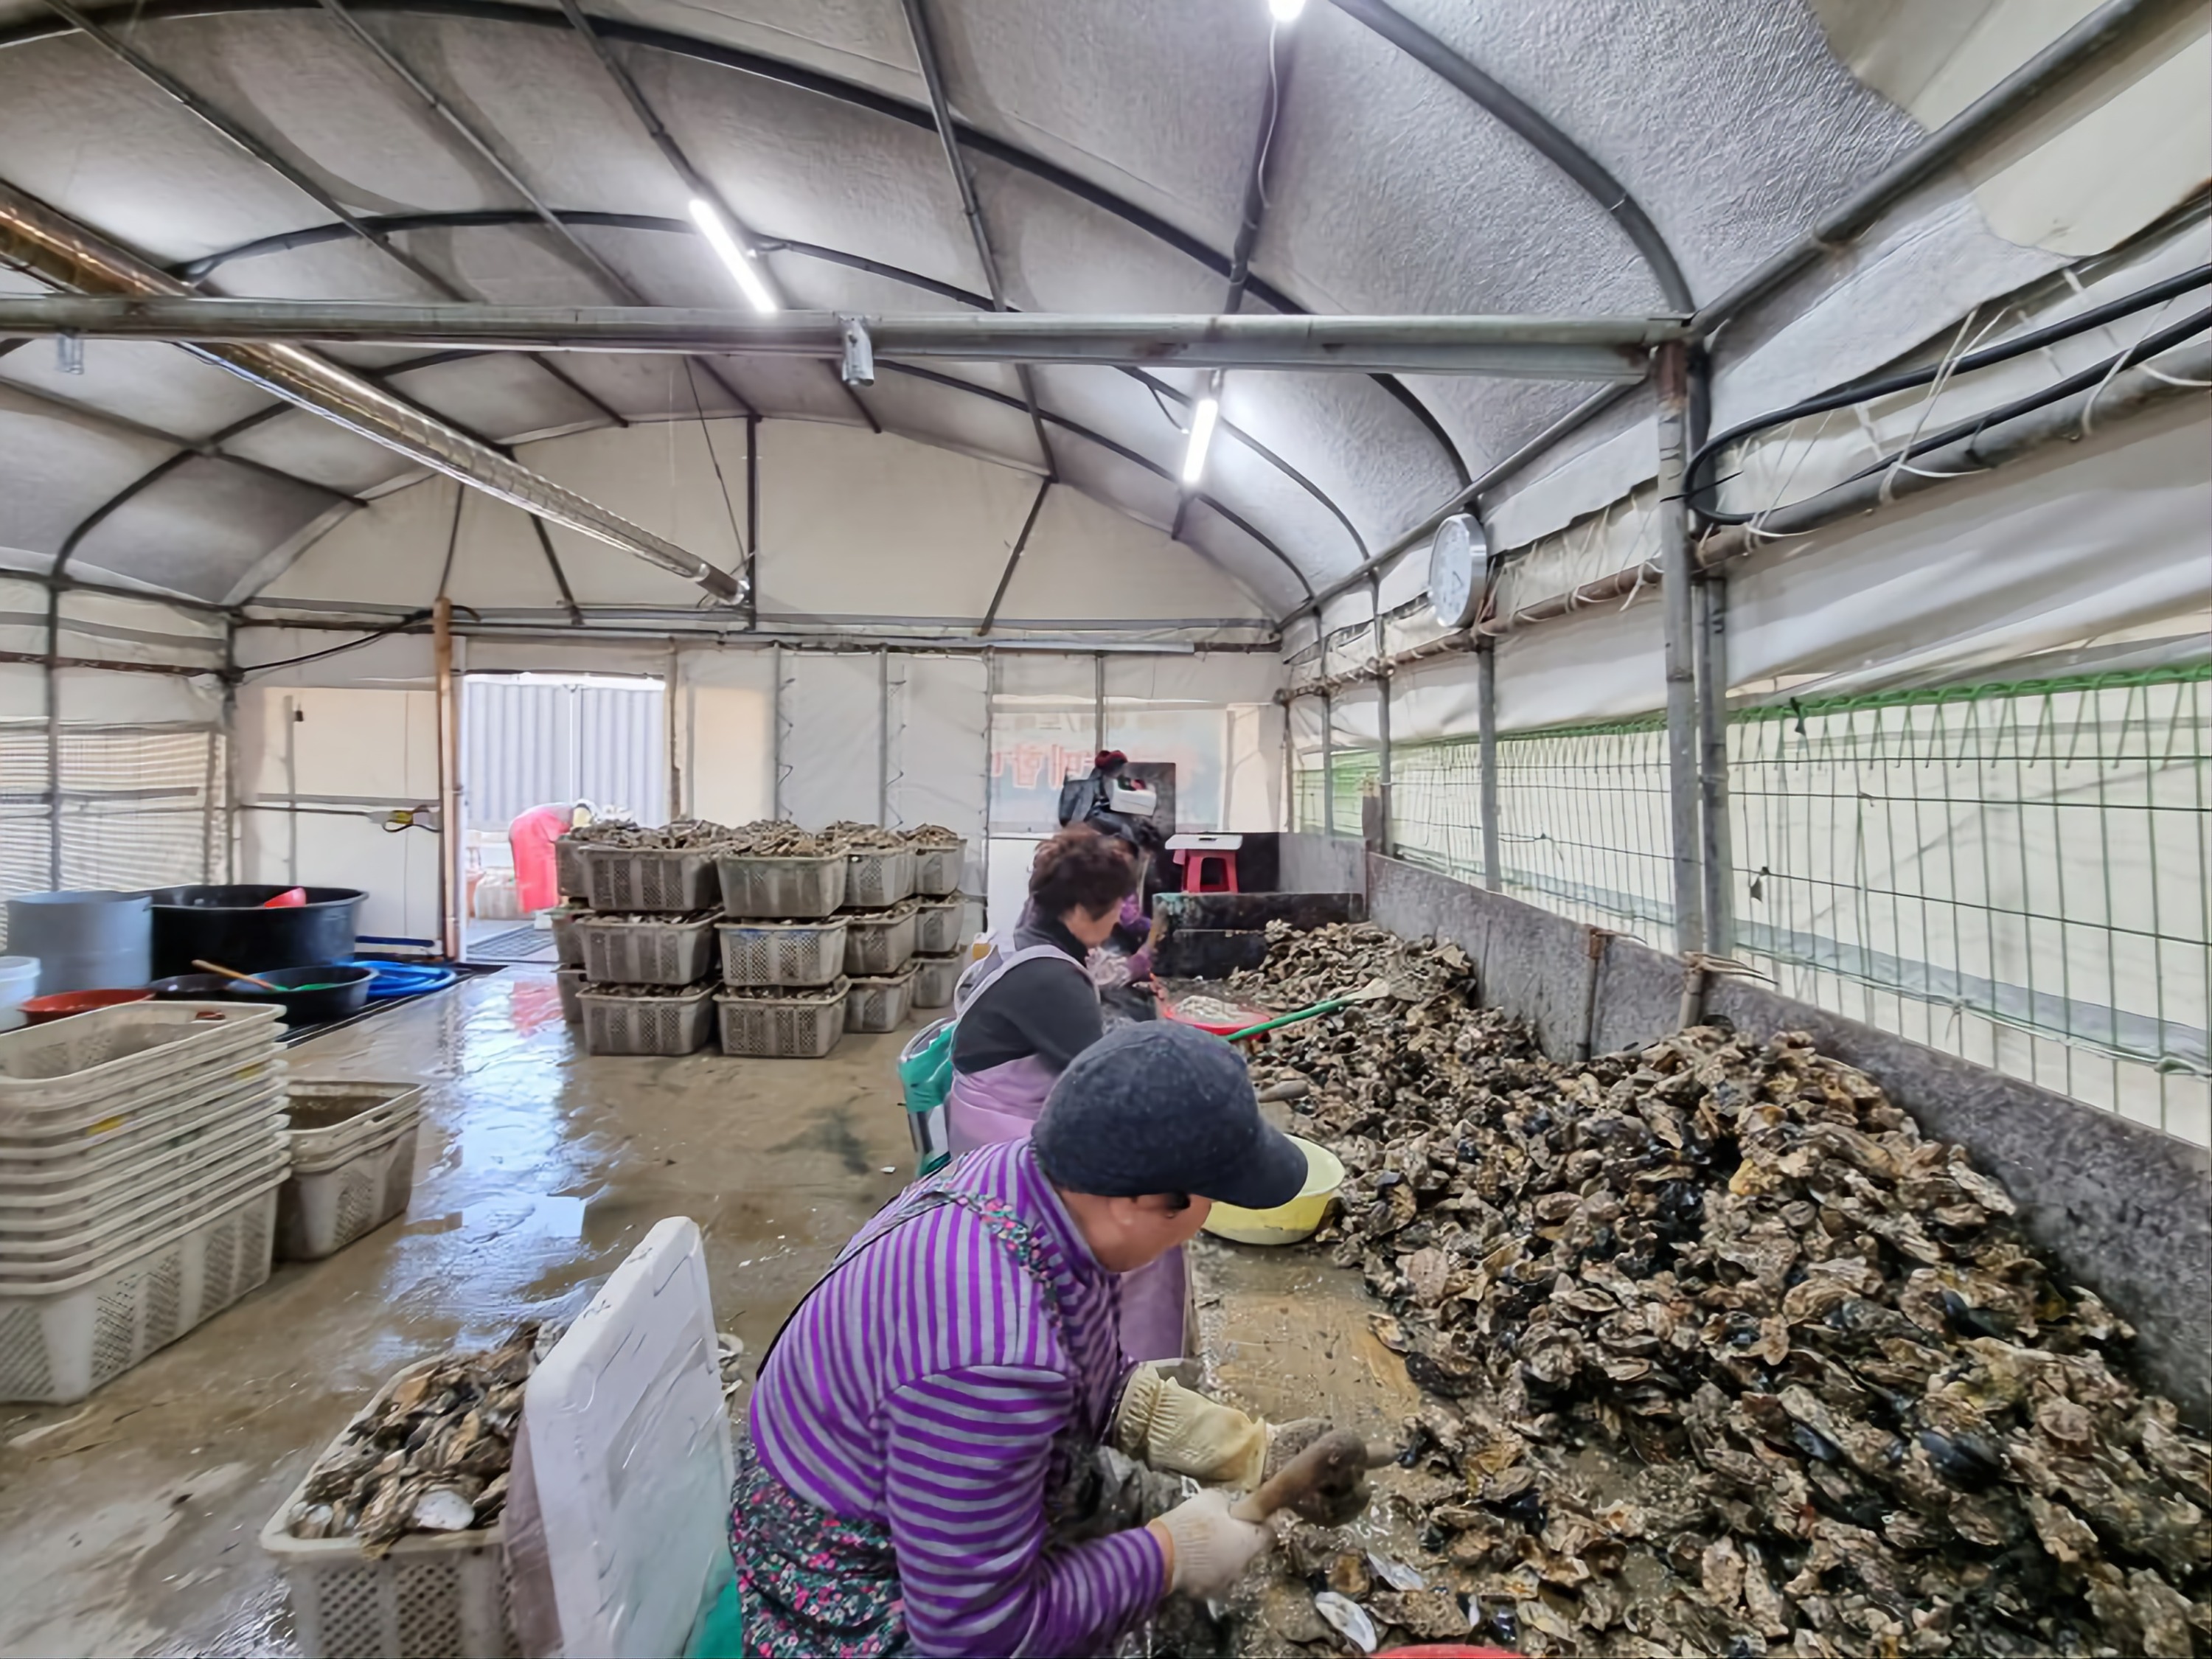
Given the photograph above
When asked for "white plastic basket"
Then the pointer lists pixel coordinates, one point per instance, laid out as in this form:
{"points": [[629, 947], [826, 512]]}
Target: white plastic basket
{"points": [[616, 1024], [567, 949], [879, 1004], [27, 1217], [879, 941], [432, 1594], [33, 1166], [935, 978], [571, 983], [53, 1259], [794, 888], [877, 877], [670, 878], [937, 868], [783, 1028], [55, 1078], [330, 1120], [59, 1342], [321, 1211], [669, 950], [782, 952], [937, 925]]}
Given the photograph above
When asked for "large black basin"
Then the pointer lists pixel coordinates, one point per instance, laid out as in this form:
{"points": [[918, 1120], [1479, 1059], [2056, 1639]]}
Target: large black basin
{"points": [[227, 925]]}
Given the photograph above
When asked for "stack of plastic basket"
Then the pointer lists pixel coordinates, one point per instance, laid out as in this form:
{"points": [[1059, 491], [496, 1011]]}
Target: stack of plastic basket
{"points": [[141, 1150], [646, 944], [352, 1153], [939, 858]]}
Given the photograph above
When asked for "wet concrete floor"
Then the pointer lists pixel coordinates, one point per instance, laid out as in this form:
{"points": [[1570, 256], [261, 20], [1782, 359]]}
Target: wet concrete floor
{"points": [[128, 1523]]}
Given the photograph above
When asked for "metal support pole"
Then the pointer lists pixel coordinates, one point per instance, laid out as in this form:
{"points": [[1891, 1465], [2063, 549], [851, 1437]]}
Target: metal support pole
{"points": [[775, 733], [1328, 765], [752, 521], [1382, 729], [990, 738], [1713, 773], [883, 737], [54, 736], [449, 754], [1099, 702], [1677, 568], [1485, 681], [670, 691]]}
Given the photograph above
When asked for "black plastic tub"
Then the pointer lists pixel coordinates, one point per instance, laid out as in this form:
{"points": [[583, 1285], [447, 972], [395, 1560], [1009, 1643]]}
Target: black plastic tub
{"points": [[227, 925], [189, 987], [342, 991]]}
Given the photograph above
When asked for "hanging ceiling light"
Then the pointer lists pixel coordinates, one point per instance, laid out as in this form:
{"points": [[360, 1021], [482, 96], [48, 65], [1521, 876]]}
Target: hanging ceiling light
{"points": [[1203, 417], [744, 264], [1286, 11]]}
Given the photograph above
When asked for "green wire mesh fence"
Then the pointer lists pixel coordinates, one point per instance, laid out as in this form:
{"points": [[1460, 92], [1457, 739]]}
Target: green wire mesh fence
{"points": [[2021, 874]]}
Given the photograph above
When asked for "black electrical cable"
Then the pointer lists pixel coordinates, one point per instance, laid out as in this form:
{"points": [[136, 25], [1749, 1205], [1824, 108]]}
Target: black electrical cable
{"points": [[1864, 391], [404, 623]]}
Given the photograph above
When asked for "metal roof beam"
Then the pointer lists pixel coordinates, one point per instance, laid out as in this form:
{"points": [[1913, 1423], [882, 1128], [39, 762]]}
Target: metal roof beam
{"points": [[1548, 348], [925, 51]]}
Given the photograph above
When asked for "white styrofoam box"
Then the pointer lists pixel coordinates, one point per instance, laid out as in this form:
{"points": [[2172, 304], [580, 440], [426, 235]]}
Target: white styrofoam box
{"points": [[432, 1593], [629, 1452], [59, 1342], [321, 1211]]}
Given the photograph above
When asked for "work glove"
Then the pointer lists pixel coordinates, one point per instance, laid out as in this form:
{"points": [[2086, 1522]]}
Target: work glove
{"points": [[1177, 1431], [1212, 1547]]}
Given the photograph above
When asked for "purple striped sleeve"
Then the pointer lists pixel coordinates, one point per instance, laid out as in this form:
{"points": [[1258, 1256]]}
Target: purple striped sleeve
{"points": [[969, 1452]]}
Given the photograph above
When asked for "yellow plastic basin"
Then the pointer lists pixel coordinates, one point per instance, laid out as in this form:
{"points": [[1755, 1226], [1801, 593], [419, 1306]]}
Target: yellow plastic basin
{"points": [[1286, 1223]]}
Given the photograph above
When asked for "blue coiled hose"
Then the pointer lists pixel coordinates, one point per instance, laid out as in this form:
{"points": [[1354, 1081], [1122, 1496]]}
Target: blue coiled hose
{"points": [[402, 979]]}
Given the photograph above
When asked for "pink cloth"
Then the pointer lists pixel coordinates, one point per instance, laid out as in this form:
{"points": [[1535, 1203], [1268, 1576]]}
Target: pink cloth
{"points": [[531, 835]]}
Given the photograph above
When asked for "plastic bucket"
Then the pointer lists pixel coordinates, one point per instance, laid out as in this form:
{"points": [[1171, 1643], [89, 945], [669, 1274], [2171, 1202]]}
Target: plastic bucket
{"points": [[84, 939], [19, 983], [1286, 1223]]}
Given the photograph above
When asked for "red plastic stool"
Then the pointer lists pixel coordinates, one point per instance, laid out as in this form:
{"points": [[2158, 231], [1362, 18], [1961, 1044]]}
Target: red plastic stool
{"points": [[1206, 871]]}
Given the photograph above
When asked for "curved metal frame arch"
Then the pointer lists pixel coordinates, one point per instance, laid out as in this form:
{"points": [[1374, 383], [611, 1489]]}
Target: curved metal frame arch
{"points": [[502, 218], [784, 74]]}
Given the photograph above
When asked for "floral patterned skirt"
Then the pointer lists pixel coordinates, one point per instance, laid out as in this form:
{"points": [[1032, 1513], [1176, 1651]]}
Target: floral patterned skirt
{"points": [[811, 1583]]}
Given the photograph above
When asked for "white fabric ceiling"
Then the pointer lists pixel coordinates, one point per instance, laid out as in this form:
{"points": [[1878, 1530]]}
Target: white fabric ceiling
{"points": [[1108, 143]]}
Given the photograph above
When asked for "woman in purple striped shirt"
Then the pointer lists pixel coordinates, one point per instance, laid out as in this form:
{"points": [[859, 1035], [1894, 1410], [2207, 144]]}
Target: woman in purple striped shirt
{"points": [[918, 1418]]}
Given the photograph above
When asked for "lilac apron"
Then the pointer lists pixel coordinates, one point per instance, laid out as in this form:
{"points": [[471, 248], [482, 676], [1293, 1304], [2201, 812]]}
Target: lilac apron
{"points": [[1003, 1103]]}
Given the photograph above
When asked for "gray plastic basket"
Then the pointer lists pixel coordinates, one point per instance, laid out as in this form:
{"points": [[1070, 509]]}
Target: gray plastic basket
{"points": [[617, 878], [937, 869], [782, 952], [876, 878], [567, 949], [880, 1004], [618, 1024], [571, 981], [879, 941], [934, 978], [569, 867], [672, 952], [782, 1028], [755, 888], [937, 925]]}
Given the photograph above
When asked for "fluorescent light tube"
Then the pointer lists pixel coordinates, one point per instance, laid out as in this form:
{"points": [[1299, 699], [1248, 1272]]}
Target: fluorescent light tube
{"points": [[742, 263], [1201, 433]]}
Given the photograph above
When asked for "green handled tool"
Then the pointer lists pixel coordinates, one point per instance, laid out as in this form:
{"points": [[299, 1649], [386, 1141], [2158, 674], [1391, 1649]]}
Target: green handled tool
{"points": [[1374, 991]]}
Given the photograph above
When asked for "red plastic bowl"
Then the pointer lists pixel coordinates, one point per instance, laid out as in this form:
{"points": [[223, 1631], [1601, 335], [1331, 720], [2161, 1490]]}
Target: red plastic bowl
{"points": [[61, 1004]]}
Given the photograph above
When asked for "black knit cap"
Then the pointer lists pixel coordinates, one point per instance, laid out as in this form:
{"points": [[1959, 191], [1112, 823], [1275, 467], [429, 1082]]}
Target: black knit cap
{"points": [[1164, 1107]]}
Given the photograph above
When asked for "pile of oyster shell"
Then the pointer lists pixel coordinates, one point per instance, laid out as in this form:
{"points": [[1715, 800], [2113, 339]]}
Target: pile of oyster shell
{"points": [[857, 837], [932, 835], [777, 838], [431, 1455], [684, 834], [1718, 1356]]}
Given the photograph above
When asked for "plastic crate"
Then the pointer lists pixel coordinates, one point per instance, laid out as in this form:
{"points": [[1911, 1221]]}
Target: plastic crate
{"points": [[27, 1217], [442, 1593], [571, 981], [781, 889], [618, 1024], [59, 1342], [329, 1119], [876, 878], [880, 1004], [935, 978], [321, 1211], [937, 869], [663, 879], [37, 1165], [937, 925], [782, 952], [783, 1028], [567, 949], [879, 942], [137, 1054], [672, 952], [50, 1258], [568, 873]]}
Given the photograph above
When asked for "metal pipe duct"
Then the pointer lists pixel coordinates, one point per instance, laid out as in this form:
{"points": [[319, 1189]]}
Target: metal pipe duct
{"points": [[1582, 349], [56, 249]]}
